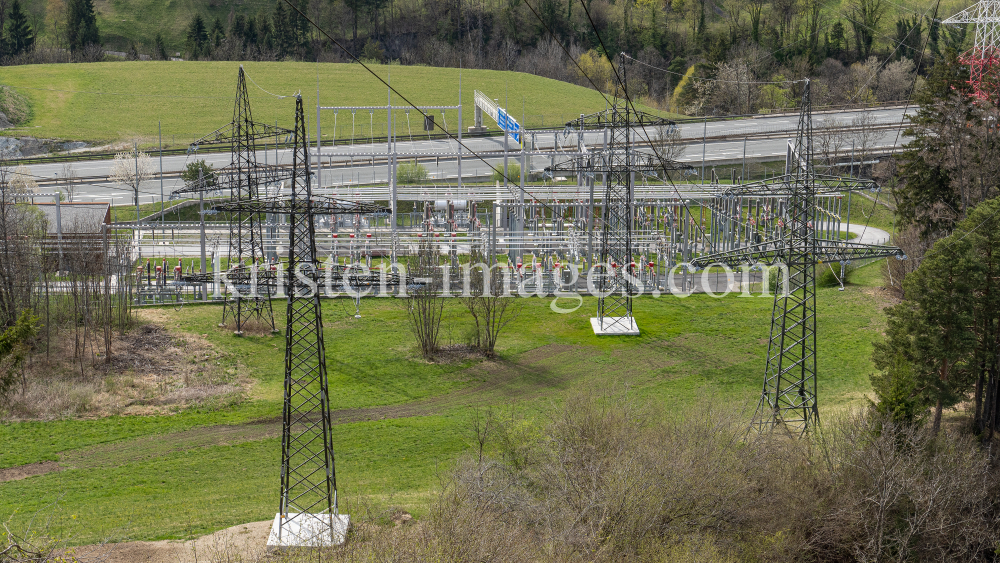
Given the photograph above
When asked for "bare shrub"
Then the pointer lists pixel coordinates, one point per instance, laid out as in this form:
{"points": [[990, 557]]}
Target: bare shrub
{"points": [[896, 81], [424, 305], [913, 246], [605, 480], [490, 303], [897, 492], [829, 140]]}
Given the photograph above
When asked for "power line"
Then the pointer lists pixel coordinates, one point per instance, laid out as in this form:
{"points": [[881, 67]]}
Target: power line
{"points": [[411, 104]]}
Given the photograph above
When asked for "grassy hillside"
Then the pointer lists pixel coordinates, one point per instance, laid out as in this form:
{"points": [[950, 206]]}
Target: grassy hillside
{"points": [[401, 420], [112, 101]]}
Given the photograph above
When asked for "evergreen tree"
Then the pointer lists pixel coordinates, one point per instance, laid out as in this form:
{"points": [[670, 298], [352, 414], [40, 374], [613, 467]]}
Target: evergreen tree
{"points": [[265, 32], [928, 185], [284, 31], [928, 332], [218, 32], [20, 37], [197, 38], [982, 229], [81, 25], [160, 50]]}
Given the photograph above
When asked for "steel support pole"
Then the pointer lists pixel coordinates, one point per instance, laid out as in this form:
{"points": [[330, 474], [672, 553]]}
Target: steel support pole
{"points": [[704, 141], [135, 152], [159, 129], [201, 214], [59, 233]]}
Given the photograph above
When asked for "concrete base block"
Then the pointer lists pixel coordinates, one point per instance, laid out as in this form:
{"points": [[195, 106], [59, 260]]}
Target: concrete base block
{"points": [[308, 530], [615, 326]]}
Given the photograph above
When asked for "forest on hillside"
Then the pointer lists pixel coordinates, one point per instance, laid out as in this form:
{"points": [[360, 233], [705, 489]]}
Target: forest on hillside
{"points": [[857, 51]]}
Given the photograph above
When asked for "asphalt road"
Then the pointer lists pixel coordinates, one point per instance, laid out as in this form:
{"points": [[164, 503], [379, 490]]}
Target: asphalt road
{"points": [[339, 168]]}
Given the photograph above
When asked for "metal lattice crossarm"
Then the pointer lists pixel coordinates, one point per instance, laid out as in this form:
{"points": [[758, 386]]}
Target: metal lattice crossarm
{"points": [[773, 253], [319, 205], [228, 179], [228, 134], [637, 161], [266, 280], [246, 279], [611, 117], [785, 186]]}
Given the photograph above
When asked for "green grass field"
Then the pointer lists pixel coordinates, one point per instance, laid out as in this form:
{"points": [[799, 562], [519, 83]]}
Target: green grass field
{"points": [[207, 468], [114, 101]]}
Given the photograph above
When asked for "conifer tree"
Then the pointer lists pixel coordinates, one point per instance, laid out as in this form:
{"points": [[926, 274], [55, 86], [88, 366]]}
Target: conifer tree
{"points": [[197, 37], [160, 50], [218, 32], [19, 37], [81, 25]]}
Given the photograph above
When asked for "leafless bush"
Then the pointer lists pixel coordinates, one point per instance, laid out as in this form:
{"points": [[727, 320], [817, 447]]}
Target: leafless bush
{"points": [[490, 303], [606, 480], [830, 139], [424, 305], [91, 53], [896, 81], [913, 246], [899, 493]]}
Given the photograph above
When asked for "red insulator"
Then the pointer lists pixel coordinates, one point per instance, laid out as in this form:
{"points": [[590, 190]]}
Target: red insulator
{"points": [[369, 235]]}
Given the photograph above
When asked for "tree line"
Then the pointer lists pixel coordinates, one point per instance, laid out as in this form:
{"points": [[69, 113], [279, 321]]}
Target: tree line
{"points": [[942, 344], [692, 56]]}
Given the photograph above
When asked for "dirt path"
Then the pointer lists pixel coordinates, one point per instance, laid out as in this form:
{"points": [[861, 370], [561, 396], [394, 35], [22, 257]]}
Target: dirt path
{"points": [[244, 542], [537, 373], [30, 470]]}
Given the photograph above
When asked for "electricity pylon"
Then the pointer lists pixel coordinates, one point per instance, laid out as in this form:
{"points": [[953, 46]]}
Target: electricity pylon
{"points": [[984, 56], [246, 272], [789, 396], [619, 160]]}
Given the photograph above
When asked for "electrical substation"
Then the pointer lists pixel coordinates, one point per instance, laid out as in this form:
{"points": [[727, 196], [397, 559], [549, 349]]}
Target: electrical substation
{"points": [[600, 206]]}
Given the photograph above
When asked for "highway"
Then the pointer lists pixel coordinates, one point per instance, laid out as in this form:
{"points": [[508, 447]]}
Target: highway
{"points": [[721, 142]]}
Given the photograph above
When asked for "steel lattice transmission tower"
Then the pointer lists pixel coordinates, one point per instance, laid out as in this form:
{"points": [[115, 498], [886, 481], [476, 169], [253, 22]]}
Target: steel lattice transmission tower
{"points": [[984, 57], [789, 395], [614, 306], [308, 510], [619, 160], [307, 514], [251, 281]]}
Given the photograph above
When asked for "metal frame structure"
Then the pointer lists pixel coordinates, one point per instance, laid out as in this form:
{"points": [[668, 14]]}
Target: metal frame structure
{"points": [[308, 475]]}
